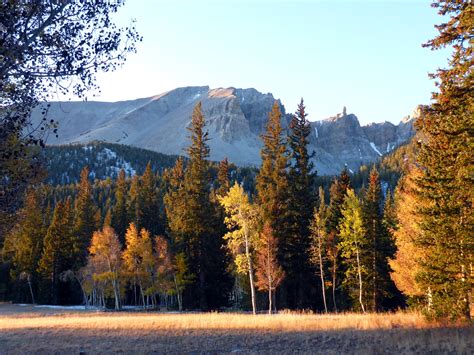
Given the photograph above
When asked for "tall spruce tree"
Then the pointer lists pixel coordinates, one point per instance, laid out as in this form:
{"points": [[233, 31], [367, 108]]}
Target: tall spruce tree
{"points": [[59, 252], [272, 187], [134, 203], [195, 222], [119, 214], [24, 245], [84, 223], [223, 179], [301, 202], [198, 207], [446, 183], [175, 205], [381, 248], [151, 218]]}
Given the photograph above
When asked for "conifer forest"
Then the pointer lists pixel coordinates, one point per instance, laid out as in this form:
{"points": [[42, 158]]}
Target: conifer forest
{"points": [[185, 233]]}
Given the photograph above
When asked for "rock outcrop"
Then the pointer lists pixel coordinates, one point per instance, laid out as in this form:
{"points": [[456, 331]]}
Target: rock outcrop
{"points": [[235, 120]]}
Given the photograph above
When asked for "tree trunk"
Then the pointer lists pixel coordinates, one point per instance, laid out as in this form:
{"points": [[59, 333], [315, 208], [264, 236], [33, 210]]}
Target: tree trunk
{"points": [[321, 271], [252, 286], [28, 278], [270, 300], [274, 302], [178, 295], [374, 268], [116, 295], [360, 281], [141, 293], [334, 269]]}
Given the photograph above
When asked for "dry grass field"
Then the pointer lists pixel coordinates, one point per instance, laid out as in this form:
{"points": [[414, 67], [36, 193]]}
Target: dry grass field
{"points": [[43, 330]]}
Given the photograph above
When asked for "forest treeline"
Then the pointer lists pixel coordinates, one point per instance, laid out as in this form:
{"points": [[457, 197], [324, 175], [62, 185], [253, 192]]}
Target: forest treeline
{"points": [[194, 236], [198, 237]]}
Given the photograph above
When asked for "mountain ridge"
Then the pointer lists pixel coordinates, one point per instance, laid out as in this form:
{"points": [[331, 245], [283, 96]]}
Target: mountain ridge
{"points": [[235, 120]]}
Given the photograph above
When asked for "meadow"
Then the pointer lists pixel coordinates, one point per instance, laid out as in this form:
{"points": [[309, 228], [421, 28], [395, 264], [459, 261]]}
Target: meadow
{"points": [[47, 330]]}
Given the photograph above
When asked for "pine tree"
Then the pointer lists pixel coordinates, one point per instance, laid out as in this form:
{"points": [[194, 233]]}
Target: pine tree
{"points": [[354, 245], [273, 187], [59, 252], [192, 226], [119, 213], [175, 204], [269, 273], [223, 178], [24, 244], [300, 205], [150, 215], [319, 242], [382, 246], [135, 203], [84, 224], [197, 187], [446, 182]]}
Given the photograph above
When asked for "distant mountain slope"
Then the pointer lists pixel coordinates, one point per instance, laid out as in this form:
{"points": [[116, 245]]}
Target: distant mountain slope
{"points": [[65, 162], [236, 118], [104, 160]]}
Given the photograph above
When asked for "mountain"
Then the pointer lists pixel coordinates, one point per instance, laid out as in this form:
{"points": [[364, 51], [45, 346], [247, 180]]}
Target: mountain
{"points": [[235, 119]]}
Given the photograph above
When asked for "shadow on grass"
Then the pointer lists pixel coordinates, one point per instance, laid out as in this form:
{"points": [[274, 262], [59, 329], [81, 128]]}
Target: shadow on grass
{"points": [[48, 340]]}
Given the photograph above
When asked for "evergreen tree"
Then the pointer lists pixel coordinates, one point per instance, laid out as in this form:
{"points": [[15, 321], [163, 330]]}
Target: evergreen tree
{"points": [[135, 204], [272, 186], [84, 223], [382, 246], [354, 247], [24, 244], [198, 207], [446, 182], [194, 221], [175, 205], [59, 252], [119, 213], [300, 206], [151, 218], [223, 178]]}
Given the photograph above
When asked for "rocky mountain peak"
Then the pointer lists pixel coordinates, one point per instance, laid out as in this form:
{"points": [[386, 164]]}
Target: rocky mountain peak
{"points": [[235, 117]]}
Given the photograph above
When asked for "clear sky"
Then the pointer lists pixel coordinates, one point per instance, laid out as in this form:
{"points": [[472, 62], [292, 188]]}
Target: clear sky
{"points": [[365, 54]]}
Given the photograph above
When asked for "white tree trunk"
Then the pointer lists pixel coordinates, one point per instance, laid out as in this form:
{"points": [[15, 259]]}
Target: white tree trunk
{"points": [[321, 271], [252, 286], [360, 281]]}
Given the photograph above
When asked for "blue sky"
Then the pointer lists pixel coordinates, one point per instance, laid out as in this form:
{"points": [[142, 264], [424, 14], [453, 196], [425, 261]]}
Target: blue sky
{"points": [[365, 55]]}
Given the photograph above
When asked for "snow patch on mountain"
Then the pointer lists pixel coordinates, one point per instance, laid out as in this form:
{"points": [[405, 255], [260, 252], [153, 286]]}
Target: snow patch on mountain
{"points": [[375, 148]]}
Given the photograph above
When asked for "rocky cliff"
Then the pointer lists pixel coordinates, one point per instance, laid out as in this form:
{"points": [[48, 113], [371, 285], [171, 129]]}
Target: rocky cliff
{"points": [[236, 119]]}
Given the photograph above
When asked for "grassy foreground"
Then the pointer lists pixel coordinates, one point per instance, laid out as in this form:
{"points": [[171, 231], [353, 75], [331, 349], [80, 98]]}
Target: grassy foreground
{"points": [[45, 331]]}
